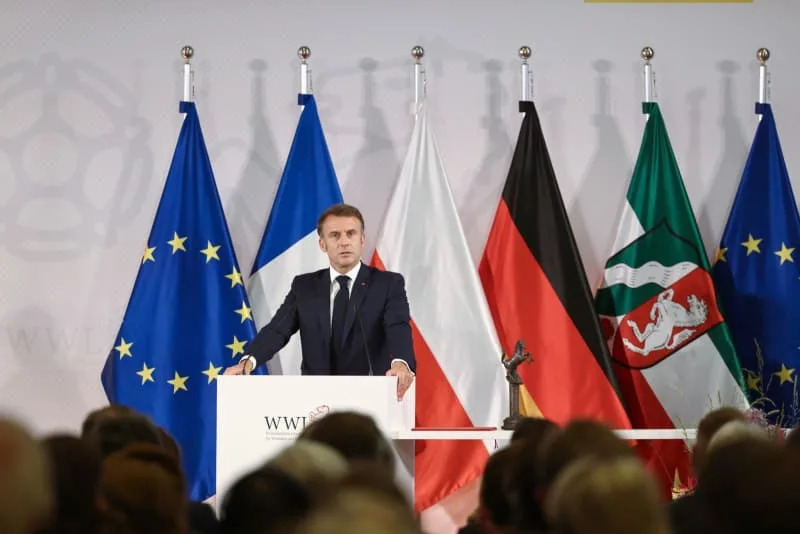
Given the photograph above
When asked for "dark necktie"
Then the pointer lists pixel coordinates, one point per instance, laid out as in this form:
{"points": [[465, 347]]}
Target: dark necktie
{"points": [[340, 302]]}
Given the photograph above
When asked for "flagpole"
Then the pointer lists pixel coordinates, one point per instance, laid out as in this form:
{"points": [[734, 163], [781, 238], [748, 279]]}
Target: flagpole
{"points": [[304, 53], [186, 53], [419, 76], [525, 73], [647, 55], [763, 56]]}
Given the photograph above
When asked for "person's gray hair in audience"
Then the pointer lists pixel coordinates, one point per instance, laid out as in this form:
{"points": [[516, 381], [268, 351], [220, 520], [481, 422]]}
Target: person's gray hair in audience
{"points": [[364, 502], [26, 492], [356, 436], [611, 496], [310, 463]]}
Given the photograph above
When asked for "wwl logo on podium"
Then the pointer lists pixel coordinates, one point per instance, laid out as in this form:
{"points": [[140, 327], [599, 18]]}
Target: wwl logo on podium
{"points": [[283, 427]]}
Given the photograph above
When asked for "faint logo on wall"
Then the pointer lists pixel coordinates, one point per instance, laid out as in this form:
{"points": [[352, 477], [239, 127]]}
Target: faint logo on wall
{"points": [[74, 159]]}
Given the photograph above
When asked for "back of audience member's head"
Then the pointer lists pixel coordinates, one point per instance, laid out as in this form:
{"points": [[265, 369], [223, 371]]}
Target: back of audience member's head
{"points": [[313, 464], [735, 432], [579, 439], [611, 496], [101, 414], [532, 428], [375, 481], [265, 501], [169, 443], [356, 507], [524, 485], [706, 428], [142, 489], [111, 434], [495, 502], [355, 436], [76, 473], [26, 493], [750, 484]]}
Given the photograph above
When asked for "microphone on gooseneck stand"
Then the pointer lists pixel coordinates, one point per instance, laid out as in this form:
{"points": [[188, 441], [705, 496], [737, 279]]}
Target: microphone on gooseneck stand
{"points": [[363, 338]]}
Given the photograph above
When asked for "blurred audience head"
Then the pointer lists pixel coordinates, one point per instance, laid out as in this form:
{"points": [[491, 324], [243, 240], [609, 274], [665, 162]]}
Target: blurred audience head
{"points": [[734, 432], [26, 492], [75, 468], [142, 489], [608, 496], [750, 484], [579, 439], [706, 428], [313, 464], [496, 507], [101, 414], [267, 500], [366, 501], [110, 434], [532, 428], [355, 436]]}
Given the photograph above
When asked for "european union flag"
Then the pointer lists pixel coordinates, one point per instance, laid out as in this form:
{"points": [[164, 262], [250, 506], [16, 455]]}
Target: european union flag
{"points": [[758, 277], [188, 316]]}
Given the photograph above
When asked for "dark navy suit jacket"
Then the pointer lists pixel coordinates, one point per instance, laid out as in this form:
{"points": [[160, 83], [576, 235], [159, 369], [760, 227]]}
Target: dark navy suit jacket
{"points": [[377, 317]]}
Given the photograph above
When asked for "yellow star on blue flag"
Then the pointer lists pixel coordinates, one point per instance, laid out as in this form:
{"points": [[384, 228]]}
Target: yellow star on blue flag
{"points": [[179, 314]]}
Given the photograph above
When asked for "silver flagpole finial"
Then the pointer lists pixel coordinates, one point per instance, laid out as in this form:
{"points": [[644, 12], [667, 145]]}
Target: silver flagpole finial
{"points": [[418, 53], [647, 54], [186, 53], [304, 53], [525, 53], [762, 55]]}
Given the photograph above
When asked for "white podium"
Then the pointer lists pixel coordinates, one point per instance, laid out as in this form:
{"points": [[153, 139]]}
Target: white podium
{"points": [[258, 416]]}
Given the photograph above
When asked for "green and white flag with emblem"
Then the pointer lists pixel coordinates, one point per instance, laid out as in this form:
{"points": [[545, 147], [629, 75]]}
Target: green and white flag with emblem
{"points": [[672, 352]]}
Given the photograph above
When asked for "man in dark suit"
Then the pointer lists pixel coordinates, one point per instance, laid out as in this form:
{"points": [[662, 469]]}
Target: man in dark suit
{"points": [[353, 319]]}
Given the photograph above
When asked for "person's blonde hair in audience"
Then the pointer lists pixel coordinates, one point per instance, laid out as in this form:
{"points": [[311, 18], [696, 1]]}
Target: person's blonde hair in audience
{"points": [[310, 463], [142, 489], [360, 506], [734, 432], [612, 496], [26, 493]]}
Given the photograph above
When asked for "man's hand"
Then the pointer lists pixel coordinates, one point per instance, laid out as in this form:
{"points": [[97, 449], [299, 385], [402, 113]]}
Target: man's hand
{"points": [[404, 377], [244, 367]]}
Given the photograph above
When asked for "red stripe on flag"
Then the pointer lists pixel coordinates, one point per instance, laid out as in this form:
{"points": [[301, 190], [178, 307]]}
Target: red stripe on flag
{"points": [[564, 378], [440, 467]]}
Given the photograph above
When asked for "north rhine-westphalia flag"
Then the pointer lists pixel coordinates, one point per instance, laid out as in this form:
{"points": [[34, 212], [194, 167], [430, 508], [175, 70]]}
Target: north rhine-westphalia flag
{"points": [[538, 292], [460, 379], [289, 245], [672, 351]]}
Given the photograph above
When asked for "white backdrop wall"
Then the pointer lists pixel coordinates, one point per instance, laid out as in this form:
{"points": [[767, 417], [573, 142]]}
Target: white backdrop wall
{"points": [[89, 117]]}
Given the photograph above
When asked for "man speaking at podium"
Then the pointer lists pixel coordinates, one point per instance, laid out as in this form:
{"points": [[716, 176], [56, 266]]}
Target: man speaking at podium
{"points": [[353, 319]]}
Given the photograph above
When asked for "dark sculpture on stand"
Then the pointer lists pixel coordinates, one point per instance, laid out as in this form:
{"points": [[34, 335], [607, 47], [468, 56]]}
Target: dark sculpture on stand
{"points": [[514, 382]]}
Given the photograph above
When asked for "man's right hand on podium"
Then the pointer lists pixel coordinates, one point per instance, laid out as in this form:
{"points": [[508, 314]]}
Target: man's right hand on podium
{"points": [[244, 367]]}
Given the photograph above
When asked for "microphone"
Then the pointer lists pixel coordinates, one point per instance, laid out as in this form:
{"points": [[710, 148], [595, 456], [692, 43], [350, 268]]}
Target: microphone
{"points": [[363, 338]]}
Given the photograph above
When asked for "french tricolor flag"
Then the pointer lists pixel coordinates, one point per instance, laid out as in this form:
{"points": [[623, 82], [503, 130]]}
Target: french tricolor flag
{"points": [[289, 246]]}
